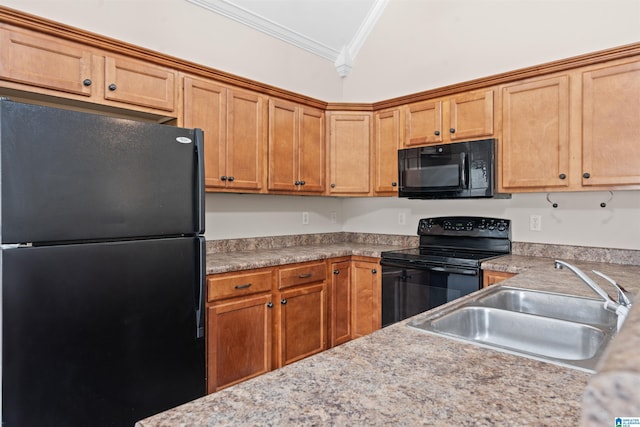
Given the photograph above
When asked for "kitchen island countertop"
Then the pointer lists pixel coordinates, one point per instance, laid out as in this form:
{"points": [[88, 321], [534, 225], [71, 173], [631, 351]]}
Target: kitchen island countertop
{"points": [[400, 376]]}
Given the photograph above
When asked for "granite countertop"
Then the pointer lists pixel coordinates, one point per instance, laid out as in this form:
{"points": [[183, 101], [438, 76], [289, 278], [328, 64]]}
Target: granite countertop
{"points": [[403, 377], [222, 262]]}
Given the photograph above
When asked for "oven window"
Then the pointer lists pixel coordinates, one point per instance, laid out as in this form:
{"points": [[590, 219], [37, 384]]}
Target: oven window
{"points": [[407, 292]]}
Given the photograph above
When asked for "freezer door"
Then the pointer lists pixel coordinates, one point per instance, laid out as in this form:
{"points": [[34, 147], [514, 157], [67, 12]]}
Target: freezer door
{"points": [[67, 175], [101, 334]]}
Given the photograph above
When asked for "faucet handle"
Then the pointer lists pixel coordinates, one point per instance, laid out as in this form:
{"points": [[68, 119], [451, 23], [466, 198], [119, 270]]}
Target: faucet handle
{"points": [[622, 298]]}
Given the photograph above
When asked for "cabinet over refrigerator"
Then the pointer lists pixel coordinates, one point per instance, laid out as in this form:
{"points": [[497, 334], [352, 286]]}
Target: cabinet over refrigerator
{"points": [[102, 267]]}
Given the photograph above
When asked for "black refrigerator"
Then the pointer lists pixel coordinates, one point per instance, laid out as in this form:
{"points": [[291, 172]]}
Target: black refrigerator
{"points": [[102, 267]]}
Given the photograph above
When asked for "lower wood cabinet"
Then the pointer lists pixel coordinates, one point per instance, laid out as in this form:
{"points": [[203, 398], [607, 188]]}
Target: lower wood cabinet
{"points": [[366, 297], [491, 277]]}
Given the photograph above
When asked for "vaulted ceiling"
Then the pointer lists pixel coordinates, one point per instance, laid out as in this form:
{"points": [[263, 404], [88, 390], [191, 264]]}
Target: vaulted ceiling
{"points": [[332, 29]]}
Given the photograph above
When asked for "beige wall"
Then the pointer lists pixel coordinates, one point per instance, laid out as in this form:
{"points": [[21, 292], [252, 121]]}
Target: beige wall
{"points": [[417, 45]]}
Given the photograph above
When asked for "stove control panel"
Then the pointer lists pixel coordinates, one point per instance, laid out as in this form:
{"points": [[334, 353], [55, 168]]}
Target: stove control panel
{"points": [[465, 226]]}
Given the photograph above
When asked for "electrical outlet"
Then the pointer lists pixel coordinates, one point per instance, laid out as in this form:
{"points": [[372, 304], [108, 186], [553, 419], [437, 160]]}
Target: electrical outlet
{"points": [[402, 218], [334, 217], [305, 218], [535, 222]]}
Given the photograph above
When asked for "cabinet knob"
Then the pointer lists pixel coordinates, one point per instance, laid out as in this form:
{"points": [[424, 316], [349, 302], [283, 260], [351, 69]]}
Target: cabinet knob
{"points": [[297, 183], [333, 185], [586, 175], [231, 179], [87, 82], [112, 87], [283, 301], [374, 271], [562, 176], [336, 271], [394, 184], [436, 133], [452, 130], [269, 304], [302, 182], [223, 178]]}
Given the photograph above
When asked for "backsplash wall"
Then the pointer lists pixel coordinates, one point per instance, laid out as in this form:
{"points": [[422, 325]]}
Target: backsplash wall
{"points": [[579, 220]]}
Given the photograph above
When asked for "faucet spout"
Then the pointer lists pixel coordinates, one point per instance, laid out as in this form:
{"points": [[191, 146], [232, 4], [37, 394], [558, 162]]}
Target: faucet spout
{"points": [[586, 279]]}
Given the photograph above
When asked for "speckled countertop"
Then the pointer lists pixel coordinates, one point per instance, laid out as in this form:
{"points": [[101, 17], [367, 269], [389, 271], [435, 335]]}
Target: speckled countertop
{"points": [[403, 377]]}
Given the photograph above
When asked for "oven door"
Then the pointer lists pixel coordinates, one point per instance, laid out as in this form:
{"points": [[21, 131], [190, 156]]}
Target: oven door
{"points": [[409, 289]]}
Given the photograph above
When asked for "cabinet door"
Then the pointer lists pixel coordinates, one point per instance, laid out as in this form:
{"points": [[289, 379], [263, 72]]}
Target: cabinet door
{"points": [[491, 277], [366, 295], [611, 125], [340, 305], [311, 151], [246, 134], [205, 107], [349, 153], [283, 145], [471, 115], [140, 83], [239, 343], [46, 62], [535, 135], [387, 142], [303, 324], [423, 124]]}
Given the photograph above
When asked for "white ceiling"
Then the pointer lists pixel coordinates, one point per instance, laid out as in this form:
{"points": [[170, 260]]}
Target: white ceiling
{"points": [[332, 29]]}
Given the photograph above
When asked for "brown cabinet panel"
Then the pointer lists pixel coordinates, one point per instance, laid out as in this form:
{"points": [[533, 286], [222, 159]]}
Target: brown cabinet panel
{"points": [[491, 277], [423, 123], [205, 107], [387, 128], [43, 61], [340, 305], [246, 133], [471, 115], [611, 125], [366, 297], [300, 274], [237, 284], [311, 153], [535, 134], [239, 344], [349, 153], [139, 83], [303, 323], [283, 146]]}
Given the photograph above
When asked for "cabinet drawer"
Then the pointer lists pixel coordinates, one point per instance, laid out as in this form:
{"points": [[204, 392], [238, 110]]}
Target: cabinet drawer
{"points": [[301, 274], [227, 286]]}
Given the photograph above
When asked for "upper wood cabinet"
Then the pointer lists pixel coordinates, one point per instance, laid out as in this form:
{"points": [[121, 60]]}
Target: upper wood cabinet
{"points": [[387, 139], [234, 125], [572, 131], [460, 117], [611, 125], [535, 134], [349, 153], [52, 66], [296, 148]]}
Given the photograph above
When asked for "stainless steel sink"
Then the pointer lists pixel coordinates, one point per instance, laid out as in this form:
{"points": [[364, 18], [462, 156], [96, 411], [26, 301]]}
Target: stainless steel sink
{"points": [[562, 329]]}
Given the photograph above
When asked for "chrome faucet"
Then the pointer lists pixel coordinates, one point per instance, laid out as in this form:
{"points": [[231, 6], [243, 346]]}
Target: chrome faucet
{"points": [[621, 307]]}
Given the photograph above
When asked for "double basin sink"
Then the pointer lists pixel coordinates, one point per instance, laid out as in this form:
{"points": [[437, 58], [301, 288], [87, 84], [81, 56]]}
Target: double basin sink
{"points": [[566, 330]]}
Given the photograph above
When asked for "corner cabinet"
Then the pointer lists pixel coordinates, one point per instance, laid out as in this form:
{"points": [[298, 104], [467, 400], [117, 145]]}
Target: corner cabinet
{"points": [[234, 124], [463, 116], [387, 139], [572, 131], [349, 153], [296, 148]]}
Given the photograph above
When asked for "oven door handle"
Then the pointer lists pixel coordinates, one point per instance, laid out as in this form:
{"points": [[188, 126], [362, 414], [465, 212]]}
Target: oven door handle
{"points": [[454, 270]]}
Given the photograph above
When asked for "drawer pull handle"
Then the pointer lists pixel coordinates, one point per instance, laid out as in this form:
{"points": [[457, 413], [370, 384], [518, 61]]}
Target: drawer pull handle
{"points": [[248, 285], [304, 276]]}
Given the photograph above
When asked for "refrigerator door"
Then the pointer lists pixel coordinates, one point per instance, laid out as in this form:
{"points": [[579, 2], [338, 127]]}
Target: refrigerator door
{"points": [[86, 343], [68, 175]]}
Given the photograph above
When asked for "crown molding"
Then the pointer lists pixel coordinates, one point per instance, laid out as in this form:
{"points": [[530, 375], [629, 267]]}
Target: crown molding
{"points": [[342, 59]]}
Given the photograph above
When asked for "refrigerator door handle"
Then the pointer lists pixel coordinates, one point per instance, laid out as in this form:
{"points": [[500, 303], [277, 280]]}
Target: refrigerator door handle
{"points": [[202, 278], [199, 144]]}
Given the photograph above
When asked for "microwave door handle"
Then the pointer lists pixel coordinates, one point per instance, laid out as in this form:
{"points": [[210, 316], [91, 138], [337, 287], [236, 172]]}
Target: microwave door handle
{"points": [[465, 175]]}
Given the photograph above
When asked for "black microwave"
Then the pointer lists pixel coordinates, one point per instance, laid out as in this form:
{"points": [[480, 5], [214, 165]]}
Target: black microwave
{"points": [[448, 171]]}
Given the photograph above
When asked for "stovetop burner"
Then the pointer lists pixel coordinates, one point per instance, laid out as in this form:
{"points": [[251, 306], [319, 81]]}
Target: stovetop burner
{"points": [[465, 241]]}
